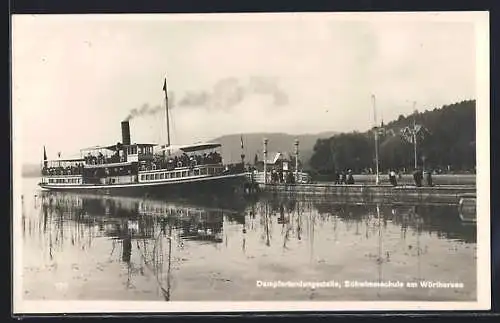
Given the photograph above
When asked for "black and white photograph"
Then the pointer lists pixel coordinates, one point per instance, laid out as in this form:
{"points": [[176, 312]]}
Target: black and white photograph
{"points": [[250, 162]]}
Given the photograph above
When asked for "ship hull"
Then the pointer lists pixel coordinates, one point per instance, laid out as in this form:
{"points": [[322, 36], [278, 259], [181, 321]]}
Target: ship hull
{"points": [[213, 185]]}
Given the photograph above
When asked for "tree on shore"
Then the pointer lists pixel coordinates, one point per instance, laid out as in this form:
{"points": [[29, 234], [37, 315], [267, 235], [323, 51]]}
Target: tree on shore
{"points": [[448, 141]]}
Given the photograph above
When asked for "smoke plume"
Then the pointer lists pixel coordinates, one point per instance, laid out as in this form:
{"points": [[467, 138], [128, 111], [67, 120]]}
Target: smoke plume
{"points": [[229, 92], [145, 109], [224, 95]]}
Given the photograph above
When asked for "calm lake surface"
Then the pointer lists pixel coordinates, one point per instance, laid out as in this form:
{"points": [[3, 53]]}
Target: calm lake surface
{"points": [[83, 247]]}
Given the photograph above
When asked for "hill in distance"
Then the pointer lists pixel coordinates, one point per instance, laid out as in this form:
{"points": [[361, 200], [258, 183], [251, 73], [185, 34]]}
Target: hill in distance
{"points": [[446, 140], [30, 170]]}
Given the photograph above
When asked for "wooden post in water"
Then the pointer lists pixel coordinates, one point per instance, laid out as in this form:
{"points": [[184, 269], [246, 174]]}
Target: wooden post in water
{"points": [[265, 160], [296, 160]]}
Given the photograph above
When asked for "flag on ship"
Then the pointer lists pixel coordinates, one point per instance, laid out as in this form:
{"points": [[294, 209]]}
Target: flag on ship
{"points": [[166, 92], [241, 139]]}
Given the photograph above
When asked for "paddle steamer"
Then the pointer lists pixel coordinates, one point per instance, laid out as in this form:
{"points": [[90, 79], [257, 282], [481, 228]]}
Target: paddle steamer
{"points": [[135, 168]]}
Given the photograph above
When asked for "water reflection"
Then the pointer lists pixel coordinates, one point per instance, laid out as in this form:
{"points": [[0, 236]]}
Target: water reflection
{"points": [[159, 239]]}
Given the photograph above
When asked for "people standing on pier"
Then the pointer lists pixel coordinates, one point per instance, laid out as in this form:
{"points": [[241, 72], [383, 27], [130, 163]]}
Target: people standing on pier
{"points": [[337, 177], [350, 178], [418, 177], [392, 178], [343, 178], [428, 177]]}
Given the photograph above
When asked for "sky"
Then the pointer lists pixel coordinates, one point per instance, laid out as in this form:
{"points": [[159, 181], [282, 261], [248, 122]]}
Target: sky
{"points": [[76, 77]]}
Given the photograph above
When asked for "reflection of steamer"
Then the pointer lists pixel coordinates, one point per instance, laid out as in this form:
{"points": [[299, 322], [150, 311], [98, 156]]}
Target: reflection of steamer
{"points": [[148, 231], [125, 215]]}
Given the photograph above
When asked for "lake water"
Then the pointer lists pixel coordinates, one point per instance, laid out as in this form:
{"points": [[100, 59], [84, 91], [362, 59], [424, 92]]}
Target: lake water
{"points": [[78, 247]]}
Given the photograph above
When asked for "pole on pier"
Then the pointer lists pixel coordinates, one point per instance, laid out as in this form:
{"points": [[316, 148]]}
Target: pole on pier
{"points": [[296, 143], [265, 160], [242, 152], [414, 132], [377, 176]]}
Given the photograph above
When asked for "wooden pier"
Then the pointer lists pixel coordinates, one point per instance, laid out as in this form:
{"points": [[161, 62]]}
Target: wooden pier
{"points": [[367, 193]]}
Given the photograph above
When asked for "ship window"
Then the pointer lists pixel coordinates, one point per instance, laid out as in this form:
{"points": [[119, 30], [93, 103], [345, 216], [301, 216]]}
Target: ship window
{"points": [[210, 171], [177, 174], [142, 177], [162, 176], [184, 173], [203, 171], [197, 172], [157, 176]]}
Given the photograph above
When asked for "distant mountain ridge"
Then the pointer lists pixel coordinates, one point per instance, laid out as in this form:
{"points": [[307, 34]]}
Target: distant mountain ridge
{"points": [[30, 170]]}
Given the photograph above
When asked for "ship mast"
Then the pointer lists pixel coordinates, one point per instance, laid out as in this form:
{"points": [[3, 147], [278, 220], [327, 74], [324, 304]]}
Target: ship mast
{"points": [[166, 112]]}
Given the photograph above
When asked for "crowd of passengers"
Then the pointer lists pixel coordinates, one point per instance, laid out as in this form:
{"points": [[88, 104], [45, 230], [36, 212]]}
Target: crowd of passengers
{"points": [[183, 161], [158, 163], [69, 170], [101, 159]]}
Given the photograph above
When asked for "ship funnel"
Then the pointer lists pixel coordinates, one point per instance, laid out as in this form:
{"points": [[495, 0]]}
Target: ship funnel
{"points": [[125, 133]]}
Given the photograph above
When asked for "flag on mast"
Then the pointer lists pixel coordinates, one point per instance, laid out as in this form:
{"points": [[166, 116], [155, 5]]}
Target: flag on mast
{"points": [[241, 139], [166, 92]]}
